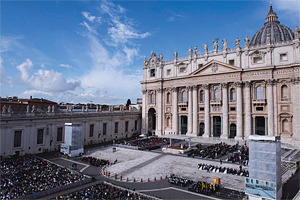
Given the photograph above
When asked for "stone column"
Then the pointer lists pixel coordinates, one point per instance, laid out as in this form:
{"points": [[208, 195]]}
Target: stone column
{"points": [[225, 111], [275, 109], [144, 111], [247, 109], [195, 110], [239, 111], [206, 109], [159, 111], [270, 105], [190, 111], [175, 114], [253, 120]]}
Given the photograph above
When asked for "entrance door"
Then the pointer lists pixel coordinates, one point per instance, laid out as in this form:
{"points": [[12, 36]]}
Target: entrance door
{"points": [[232, 131], [151, 121], [183, 124], [260, 126], [201, 129], [216, 126]]}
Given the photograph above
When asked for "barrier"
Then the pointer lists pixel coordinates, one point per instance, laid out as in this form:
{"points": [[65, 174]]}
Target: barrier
{"points": [[126, 146]]}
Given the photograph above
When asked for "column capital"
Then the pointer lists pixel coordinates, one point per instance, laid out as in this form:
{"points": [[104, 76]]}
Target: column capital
{"points": [[195, 87], [270, 82], [144, 91], [238, 84], [189, 87], [295, 80], [205, 86], [160, 90], [224, 85], [248, 83], [174, 89]]}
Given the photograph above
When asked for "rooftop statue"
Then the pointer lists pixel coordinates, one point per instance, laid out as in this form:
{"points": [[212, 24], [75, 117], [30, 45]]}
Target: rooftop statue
{"points": [[175, 54], [237, 42], [190, 51], [224, 42], [195, 50], [247, 41], [216, 44], [296, 32], [205, 48]]}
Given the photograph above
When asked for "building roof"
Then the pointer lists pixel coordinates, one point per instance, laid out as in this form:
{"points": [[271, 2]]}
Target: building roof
{"points": [[273, 29]]}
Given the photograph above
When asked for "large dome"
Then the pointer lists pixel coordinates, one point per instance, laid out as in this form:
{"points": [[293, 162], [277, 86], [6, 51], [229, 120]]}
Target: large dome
{"points": [[272, 28]]}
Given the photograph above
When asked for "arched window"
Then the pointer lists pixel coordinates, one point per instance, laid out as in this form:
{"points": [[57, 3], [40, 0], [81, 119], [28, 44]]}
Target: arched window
{"points": [[217, 94], [152, 98], [184, 99], [259, 92], [284, 92], [232, 94], [168, 121], [202, 95], [168, 97]]}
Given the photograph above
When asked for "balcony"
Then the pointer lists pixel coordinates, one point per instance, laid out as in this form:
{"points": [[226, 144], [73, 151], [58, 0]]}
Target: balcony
{"points": [[259, 102], [182, 103], [215, 103]]}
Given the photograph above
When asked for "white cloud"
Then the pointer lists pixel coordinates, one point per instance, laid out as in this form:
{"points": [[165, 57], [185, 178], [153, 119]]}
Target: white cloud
{"points": [[51, 81], [90, 17], [65, 65], [290, 5], [23, 68], [2, 72], [90, 29]]}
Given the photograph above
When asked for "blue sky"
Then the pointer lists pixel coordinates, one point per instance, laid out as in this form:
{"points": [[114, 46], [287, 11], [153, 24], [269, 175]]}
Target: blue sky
{"points": [[83, 51]]}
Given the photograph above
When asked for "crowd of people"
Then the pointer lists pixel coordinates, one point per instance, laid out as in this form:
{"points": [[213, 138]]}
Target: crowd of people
{"points": [[213, 151], [103, 191], [225, 170], [150, 143], [240, 157], [95, 161], [26, 175], [204, 188], [179, 180]]}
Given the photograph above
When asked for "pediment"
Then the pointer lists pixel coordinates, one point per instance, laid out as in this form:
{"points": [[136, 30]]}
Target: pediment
{"points": [[216, 67], [257, 53]]}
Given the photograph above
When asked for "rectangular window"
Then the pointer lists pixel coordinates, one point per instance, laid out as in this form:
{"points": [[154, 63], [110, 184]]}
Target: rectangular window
{"points": [[232, 108], [126, 126], [201, 108], [183, 109], [135, 125], [182, 69], [168, 72], [104, 128], [257, 60], [91, 130], [283, 57], [231, 62], [18, 139], [40, 136], [59, 134], [152, 72], [116, 127], [200, 65], [259, 108]]}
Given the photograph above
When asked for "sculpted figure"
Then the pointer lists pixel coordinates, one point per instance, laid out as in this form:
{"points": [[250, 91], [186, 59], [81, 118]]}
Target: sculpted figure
{"points": [[268, 39], [216, 44], [195, 50], [97, 108], [4, 109], [296, 32], [27, 109], [205, 48], [9, 109], [33, 109], [161, 57], [175, 54], [82, 108], [224, 42], [247, 40], [237, 42], [49, 109], [100, 108], [190, 51], [53, 108], [145, 61]]}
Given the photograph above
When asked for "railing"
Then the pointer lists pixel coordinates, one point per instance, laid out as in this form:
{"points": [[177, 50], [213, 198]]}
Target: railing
{"points": [[259, 101], [182, 103], [215, 102]]}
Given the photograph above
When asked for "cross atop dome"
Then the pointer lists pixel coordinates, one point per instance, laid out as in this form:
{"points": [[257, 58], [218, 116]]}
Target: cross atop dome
{"points": [[271, 16]]}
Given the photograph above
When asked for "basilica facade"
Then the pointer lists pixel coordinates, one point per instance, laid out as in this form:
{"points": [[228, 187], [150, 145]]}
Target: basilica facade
{"points": [[228, 93]]}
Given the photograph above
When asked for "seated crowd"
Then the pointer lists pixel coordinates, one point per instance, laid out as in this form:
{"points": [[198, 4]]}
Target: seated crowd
{"points": [[241, 157], [204, 187], [149, 143], [102, 191], [213, 151], [179, 180], [22, 176], [225, 170], [95, 161]]}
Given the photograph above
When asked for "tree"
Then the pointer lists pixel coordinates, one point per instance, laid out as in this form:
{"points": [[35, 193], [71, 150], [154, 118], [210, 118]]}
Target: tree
{"points": [[128, 102]]}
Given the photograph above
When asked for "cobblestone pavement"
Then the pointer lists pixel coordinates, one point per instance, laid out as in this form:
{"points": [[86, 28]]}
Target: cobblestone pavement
{"points": [[135, 164]]}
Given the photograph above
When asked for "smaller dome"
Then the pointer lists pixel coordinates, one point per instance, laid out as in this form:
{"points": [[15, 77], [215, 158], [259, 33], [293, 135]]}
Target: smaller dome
{"points": [[272, 31]]}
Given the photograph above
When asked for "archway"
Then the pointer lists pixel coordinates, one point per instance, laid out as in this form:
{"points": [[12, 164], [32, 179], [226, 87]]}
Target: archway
{"points": [[232, 131], [151, 121], [216, 126], [260, 126], [183, 124]]}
